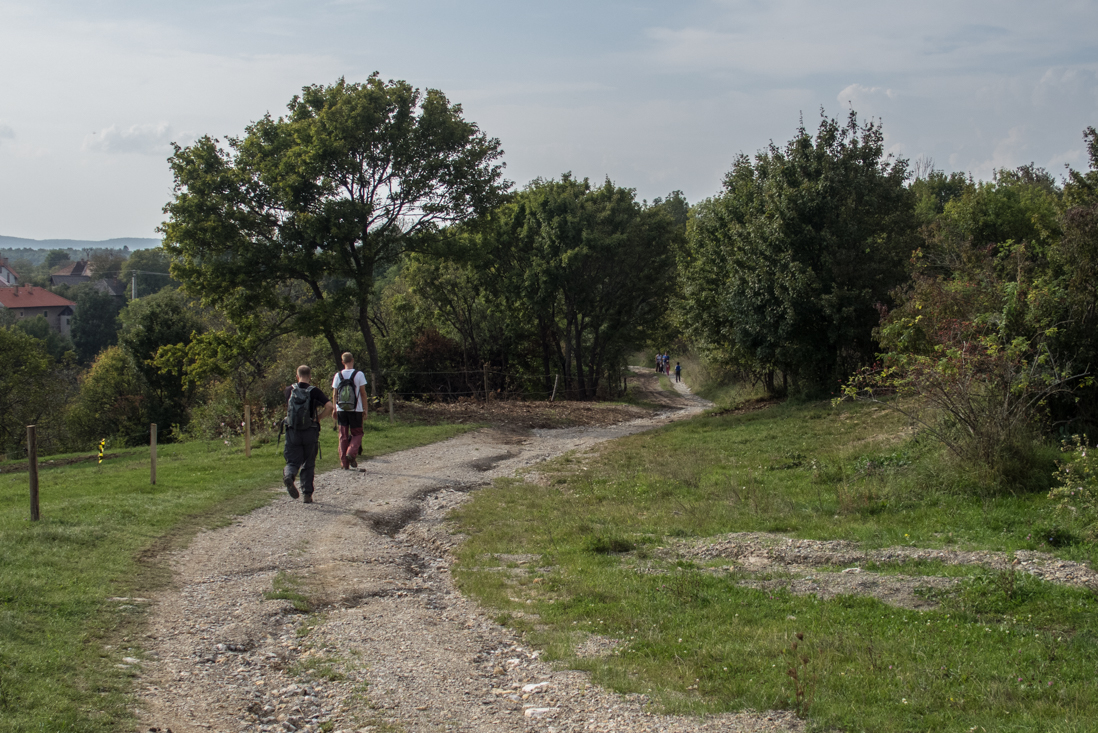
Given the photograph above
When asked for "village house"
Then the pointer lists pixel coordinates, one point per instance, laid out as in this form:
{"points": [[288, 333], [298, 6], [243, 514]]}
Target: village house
{"points": [[73, 273], [8, 276], [30, 302]]}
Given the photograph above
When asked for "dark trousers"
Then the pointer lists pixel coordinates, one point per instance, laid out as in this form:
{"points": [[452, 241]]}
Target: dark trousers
{"points": [[300, 454]]}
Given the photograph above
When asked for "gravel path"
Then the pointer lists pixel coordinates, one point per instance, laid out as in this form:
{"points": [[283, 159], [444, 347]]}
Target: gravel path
{"points": [[390, 645]]}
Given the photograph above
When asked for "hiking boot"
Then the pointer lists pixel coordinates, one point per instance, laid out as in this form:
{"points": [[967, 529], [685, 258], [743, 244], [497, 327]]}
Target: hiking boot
{"points": [[353, 463], [308, 499], [288, 482]]}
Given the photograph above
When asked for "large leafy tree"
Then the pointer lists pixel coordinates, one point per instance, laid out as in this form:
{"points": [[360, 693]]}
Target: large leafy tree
{"points": [[786, 269], [302, 213], [589, 267]]}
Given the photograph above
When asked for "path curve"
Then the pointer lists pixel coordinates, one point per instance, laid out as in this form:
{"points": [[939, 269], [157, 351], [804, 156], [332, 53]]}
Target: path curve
{"points": [[393, 646]]}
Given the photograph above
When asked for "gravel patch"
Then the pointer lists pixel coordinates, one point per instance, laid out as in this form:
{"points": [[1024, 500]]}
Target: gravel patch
{"points": [[799, 560]]}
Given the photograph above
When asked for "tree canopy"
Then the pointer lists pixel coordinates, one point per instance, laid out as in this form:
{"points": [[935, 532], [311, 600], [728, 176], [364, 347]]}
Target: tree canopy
{"points": [[785, 270], [303, 212]]}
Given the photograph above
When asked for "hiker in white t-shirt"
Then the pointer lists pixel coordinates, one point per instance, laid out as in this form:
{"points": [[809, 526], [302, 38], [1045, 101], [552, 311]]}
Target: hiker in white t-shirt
{"points": [[349, 396]]}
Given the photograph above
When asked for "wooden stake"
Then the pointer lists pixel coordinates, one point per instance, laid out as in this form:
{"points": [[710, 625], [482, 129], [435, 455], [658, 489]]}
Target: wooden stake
{"points": [[247, 431], [152, 451], [32, 467], [556, 381], [390, 407]]}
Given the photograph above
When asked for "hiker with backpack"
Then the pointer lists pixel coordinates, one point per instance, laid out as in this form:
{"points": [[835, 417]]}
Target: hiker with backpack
{"points": [[349, 396], [306, 406]]}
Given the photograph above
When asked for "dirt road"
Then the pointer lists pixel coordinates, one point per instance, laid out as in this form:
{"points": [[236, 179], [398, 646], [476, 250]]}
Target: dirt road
{"points": [[389, 644]]}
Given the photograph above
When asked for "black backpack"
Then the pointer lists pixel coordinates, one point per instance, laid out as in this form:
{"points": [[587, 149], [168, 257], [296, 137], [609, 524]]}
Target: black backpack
{"points": [[299, 408], [347, 393]]}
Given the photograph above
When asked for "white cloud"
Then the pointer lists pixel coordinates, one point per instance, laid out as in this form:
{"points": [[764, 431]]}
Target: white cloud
{"points": [[857, 94], [150, 139]]}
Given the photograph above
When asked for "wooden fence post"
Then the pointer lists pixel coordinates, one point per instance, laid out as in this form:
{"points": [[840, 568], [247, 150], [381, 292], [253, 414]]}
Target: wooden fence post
{"points": [[556, 381], [390, 407], [247, 431], [32, 468], [486, 383], [152, 452]]}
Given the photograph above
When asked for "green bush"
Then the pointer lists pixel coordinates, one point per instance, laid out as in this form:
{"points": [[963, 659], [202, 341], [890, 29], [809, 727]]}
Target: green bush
{"points": [[111, 402], [1077, 486]]}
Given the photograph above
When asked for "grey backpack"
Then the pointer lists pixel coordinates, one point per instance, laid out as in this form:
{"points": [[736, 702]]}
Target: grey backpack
{"points": [[299, 408]]}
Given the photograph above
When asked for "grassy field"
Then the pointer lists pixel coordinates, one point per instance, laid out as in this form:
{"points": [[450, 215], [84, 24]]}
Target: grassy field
{"points": [[102, 532], [1001, 652]]}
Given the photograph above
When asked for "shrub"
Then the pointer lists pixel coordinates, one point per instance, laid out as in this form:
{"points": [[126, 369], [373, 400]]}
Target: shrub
{"points": [[1077, 489], [111, 402]]}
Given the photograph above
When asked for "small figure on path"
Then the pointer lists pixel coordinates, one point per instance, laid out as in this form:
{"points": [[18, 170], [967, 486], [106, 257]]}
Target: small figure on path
{"points": [[306, 406], [678, 372], [349, 396]]}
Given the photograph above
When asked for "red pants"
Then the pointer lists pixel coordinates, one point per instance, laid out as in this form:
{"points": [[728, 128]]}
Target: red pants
{"points": [[350, 436]]}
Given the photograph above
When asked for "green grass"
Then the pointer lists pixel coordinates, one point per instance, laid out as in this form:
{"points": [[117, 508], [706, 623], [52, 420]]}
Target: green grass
{"points": [[1003, 651], [102, 531], [287, 587]]}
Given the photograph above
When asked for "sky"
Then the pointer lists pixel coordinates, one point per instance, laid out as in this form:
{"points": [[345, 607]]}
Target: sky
{"points": [[657, 96]]}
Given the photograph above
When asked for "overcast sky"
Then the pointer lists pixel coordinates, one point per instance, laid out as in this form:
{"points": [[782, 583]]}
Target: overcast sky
{"points": [[656, 95]]}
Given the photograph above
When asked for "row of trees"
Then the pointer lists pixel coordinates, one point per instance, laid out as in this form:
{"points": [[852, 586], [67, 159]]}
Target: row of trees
{"points": [[827, 258], [374, 208], [375, 218]]}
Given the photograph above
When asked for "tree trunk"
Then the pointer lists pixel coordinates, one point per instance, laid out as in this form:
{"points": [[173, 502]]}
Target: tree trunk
{"points": [[546, 359], [371, 347], [581, 383], [337, 354]]}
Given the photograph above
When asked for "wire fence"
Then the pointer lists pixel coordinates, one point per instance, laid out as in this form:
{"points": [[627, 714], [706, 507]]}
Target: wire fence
{"points": [[488, 383]]}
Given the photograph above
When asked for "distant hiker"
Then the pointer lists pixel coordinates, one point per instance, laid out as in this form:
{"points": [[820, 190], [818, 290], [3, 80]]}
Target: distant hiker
{"points": [[349, 396], [678, 372], [306, 406]]}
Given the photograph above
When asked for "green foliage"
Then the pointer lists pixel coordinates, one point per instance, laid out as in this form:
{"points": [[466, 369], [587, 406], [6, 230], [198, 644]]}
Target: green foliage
{"points": [[112, 402], [1077, 486], [1017, 206], [785, 269], [140, 264], [995, 333], [58, 346], [55, 258], [25, 372], [164, 319], [95, 324], [106, 264], [587, 269], [443, 323], [300, 215], [934, 190], [973, 351]]}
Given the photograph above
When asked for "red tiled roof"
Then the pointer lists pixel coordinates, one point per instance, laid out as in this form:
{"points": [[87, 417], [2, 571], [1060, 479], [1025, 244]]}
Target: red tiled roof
{"points": [[31, 297]]}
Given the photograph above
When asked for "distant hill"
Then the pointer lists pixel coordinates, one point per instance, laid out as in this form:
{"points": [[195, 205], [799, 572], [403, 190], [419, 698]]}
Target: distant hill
{"points": [[131, 243]]}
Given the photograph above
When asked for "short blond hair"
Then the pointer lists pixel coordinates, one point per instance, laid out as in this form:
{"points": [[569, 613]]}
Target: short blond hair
{"points": [[348, 358], [305, 371]]}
